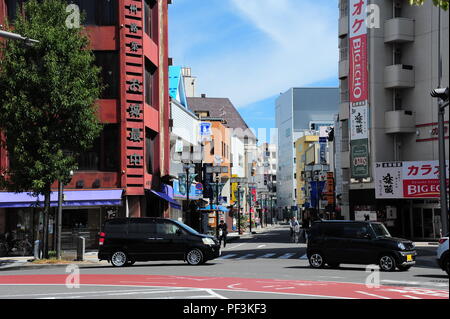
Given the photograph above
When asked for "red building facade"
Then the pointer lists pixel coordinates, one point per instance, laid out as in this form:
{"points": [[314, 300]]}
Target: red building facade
{"points": [[130, 41]]}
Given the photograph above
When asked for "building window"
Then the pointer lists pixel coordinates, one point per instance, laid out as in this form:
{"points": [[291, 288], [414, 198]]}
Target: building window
{"points": [[150, 148], [108, 61], [150, 71], [11, 8], [99, 12], [149, 17], [103, 156], [211, 145]]}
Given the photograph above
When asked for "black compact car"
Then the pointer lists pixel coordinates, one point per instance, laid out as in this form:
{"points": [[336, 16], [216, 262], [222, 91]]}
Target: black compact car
{"points": [[127, 240], [352, 242]]}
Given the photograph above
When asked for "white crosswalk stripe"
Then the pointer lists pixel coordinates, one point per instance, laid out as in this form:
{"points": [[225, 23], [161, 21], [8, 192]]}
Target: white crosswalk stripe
{"points": [[286, 256], [247, 256], [268, 255], [227, 256]]}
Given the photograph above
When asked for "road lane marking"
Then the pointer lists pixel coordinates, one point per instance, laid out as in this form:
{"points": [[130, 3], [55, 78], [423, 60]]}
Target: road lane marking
{"points": [[261, 246], [372, 295], [415, 283], [412, 297]]}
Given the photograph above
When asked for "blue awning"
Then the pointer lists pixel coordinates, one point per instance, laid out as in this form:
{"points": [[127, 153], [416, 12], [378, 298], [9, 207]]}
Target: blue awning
{"points": [[72, 198], [166, 195], [215, 207]]}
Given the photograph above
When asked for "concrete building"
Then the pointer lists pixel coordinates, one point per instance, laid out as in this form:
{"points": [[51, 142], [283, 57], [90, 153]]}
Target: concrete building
{"points": [[131, 158], [265, 178], [387, 69], [185, 149], [297, 111]]}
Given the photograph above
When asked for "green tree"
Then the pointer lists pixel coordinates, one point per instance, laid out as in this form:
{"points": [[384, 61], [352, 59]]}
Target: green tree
{"points": [[439, 3], [47, 100]]}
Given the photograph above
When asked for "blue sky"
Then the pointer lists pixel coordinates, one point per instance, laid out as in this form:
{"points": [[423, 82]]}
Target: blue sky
{"points": [[252, 50]]}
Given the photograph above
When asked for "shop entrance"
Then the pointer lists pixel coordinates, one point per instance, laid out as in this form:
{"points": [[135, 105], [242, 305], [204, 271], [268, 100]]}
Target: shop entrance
{"points": [[426, 222]]}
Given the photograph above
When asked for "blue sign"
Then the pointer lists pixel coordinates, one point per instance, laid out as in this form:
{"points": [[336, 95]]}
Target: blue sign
{"points": [[205, 129], [194, 193]]}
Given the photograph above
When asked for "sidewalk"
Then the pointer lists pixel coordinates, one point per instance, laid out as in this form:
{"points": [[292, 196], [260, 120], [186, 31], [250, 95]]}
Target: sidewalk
{"points": [[235, 235]]}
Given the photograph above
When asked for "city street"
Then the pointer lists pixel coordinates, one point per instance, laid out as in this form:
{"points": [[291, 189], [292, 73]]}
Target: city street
{"points": [[262, 266]]}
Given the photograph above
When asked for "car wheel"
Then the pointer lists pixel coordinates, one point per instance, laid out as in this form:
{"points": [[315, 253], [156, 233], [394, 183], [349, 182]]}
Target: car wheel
{"points": [[119, 259], [403, 268], [446, 262], [387, 263], [316, 260], [194, 257]]}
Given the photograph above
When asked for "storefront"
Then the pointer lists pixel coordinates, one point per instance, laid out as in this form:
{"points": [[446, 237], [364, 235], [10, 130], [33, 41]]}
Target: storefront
{"points": [[84, 212]]}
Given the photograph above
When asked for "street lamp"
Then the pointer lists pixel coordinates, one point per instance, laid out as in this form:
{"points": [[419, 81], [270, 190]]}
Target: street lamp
{"points": [[442, 95], [15, 36]]}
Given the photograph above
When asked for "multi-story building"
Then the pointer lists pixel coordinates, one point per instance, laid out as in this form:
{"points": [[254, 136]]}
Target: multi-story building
{"points": [[185, 151], [265, 178], [299, 110], [301, 146], [387, 68], [131, 158]]}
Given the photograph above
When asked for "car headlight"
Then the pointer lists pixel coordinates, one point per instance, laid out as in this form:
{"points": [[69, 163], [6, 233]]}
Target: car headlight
{"points": [[401, 246], [208, 241]]}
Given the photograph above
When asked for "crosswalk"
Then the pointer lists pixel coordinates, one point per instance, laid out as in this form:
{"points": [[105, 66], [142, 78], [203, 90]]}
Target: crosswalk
{"points": [[244, 256]]}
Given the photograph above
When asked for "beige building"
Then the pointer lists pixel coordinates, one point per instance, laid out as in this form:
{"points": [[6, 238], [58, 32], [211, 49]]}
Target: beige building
{"points": [[407, 56]]}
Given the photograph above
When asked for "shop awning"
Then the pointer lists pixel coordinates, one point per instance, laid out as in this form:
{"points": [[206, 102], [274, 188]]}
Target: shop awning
{"points": [[72, 198], [215, 207], [166, 197]]}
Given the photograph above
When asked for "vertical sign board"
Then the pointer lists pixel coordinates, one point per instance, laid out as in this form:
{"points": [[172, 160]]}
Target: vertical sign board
{"points": [[360, 159], [388, 180], [359, 89], [132, 95]]}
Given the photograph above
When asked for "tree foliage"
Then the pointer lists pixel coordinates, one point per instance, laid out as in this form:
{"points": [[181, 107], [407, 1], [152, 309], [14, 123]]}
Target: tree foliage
{"points": [[444, 4], [47, 98]]}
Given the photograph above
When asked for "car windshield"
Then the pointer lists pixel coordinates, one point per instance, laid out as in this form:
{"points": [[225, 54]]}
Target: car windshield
{"points": [[380, 230], [186, 227]]}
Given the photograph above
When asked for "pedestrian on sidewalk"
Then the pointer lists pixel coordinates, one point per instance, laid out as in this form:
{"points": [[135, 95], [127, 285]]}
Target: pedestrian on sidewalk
{"points": [[295, 229], [223, 232]]}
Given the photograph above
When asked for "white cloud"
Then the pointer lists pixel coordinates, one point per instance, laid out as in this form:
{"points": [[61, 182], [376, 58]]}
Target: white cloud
{"points": [[289, 43]]}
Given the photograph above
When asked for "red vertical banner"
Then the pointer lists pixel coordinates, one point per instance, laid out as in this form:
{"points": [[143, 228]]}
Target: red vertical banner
{"points": [[358, 84], [132, 95], [358, 69]]}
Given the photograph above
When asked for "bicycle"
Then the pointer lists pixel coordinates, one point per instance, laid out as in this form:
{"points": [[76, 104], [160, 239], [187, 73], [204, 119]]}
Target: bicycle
{"points": [[22, 247]]}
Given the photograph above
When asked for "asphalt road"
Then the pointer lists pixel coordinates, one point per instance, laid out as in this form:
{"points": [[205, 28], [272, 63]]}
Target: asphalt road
{"points": [[264, 266]]}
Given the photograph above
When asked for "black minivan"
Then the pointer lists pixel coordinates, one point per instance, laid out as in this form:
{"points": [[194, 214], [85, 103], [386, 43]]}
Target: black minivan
{"points": [[127, 240], [353, 242]]}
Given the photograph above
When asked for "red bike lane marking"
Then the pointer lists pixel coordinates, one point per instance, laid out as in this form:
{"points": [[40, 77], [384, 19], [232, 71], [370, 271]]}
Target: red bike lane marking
{"points": [[293, 287]]}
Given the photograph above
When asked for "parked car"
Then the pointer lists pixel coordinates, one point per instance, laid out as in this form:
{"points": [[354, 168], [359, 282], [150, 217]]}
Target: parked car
{"points": [[442, 254], [353, 242], [127, 240]]}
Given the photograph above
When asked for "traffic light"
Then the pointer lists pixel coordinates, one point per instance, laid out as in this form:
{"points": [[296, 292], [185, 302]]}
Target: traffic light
{"points": [[441, 93]]}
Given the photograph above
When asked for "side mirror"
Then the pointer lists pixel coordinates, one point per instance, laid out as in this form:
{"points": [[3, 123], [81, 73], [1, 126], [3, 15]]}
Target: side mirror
{"points": [[367, 236]]}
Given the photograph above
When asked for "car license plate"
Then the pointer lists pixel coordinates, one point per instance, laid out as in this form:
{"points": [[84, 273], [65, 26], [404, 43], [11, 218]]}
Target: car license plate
{"points": [[409, 258]]}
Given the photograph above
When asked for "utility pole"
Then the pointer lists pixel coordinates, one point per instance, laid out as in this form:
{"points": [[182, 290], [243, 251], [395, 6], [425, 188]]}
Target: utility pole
{"points": [[442, 94]]}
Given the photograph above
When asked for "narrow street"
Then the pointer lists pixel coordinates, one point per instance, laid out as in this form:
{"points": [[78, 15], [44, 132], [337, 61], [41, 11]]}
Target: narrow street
{"points": [[263, 266]]}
